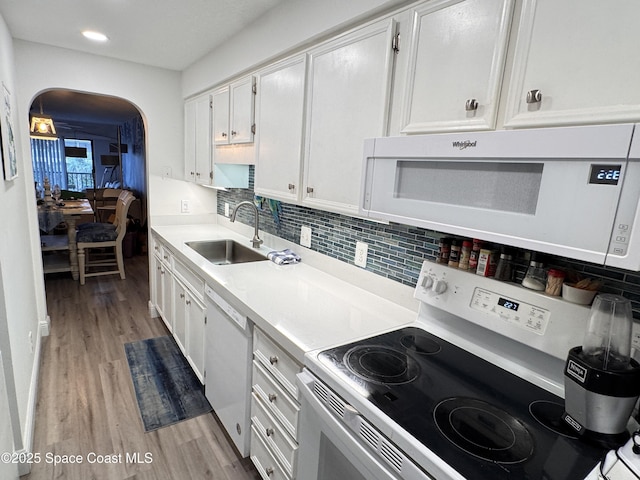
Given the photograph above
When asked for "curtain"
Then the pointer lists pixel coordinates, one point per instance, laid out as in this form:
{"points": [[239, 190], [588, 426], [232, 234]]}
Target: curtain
{"points": [[48, 161]]}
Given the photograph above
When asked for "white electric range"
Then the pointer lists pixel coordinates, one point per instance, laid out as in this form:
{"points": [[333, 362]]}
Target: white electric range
{"points": [[473, 389]]}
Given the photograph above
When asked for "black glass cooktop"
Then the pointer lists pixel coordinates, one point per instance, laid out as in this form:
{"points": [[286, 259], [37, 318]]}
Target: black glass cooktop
{"points": [[482, 420]]}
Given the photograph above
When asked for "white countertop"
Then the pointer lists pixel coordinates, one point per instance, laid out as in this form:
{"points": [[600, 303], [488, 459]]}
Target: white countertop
{"points": [[301, 307]]}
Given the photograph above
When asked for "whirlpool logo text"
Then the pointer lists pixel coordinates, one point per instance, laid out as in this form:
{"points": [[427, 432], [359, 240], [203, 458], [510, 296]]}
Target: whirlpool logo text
{"points": [[465, 144]]}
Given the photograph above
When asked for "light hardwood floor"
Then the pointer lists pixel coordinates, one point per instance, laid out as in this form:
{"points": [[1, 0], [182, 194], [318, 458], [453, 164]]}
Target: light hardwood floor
{"points": [[86, 404]]}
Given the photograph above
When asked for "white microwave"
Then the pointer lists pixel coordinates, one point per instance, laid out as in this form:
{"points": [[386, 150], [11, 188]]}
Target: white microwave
{"points": [[570, 191]]}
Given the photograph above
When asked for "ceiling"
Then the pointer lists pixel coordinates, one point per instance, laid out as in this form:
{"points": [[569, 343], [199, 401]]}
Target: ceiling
{"points": [[169, 34], [163, 33]]}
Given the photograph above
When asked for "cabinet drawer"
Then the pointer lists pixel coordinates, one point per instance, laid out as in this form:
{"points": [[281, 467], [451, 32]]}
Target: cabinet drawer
{"points": [[273, 434], [281, 365], [192, 281], [278, 402], [264, 461]]}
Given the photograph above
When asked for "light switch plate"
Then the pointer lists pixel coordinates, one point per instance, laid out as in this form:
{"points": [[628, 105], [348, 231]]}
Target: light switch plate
{"points": [[361, 254], [305, 236], [184, 206], [226, 209]]}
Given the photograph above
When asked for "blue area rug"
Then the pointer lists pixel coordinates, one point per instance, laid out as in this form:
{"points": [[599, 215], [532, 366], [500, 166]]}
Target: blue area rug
{"points": [[167, 389]]}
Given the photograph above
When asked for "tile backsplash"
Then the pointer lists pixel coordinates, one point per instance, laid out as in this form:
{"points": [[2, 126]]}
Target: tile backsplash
{"points": [[396, 251]]}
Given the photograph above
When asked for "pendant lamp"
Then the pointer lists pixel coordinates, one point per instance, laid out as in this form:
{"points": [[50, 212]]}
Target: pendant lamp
{"points": [[42, 126]]}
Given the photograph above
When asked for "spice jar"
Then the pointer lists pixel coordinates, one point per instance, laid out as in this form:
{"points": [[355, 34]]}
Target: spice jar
{"points": [[475, 254], [486, 263], [536, 277], [555, 279], [465, 255], [454, 254], [444, 248], [504, 270]]}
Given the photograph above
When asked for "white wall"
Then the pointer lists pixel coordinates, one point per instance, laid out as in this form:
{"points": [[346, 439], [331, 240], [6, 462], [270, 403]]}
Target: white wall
{"points": [[154, 91], [21, 284], [292, 24]]}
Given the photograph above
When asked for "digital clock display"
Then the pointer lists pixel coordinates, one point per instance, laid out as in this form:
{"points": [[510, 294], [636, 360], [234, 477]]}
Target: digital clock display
{"points": [[508, 304], [605, 174]]}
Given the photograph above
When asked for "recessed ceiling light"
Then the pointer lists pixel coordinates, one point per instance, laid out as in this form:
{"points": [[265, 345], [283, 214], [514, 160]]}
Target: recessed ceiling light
{"points": [[96, 36]]}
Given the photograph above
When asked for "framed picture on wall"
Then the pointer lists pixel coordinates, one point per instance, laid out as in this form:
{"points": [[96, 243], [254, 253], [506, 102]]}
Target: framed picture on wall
{"points": [[7, 137]]}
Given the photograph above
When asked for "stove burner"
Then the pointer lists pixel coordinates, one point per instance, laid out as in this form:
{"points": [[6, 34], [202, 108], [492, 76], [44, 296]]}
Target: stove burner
{"points": [[421, 344], [549, 415], [382, 365], [483, 430]]}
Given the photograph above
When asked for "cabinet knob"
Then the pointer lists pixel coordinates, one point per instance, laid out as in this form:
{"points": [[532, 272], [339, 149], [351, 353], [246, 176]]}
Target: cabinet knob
{"points": [[309, 189], [197, 174], [534, 96], [273, 360], [471, 105], [188, 302], [269, 431], [292, 186], [233, 133], [268, 471], [192, 174], [272, 397], [182, 295], [224, 135]]}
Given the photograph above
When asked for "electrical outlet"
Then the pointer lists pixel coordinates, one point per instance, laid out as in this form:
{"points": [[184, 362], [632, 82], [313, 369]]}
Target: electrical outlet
{"points": [[184, 206], [226, 209], [305, 237], [361, 254]]}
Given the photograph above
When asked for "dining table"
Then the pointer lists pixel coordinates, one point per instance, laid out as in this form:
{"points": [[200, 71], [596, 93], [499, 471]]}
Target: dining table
{"points": [[60, 253]]}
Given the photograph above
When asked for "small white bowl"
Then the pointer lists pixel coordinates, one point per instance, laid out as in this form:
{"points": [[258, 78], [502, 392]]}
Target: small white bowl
{"points": [[577, 295]]}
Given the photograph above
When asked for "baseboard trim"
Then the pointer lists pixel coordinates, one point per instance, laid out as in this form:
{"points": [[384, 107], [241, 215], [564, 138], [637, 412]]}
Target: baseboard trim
{"points": [[153, 311], [30, 424]]}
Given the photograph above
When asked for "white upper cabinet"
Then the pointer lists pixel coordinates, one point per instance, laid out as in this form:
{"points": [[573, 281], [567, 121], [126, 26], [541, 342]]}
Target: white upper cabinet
{"points": [[575, 62], [233, 111], [347, 101], [197, 151], [456, 62], [280, 129]]}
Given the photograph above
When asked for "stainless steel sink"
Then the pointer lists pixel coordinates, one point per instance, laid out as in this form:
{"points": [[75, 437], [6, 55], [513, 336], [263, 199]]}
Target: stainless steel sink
{"points": [[225, 252]]}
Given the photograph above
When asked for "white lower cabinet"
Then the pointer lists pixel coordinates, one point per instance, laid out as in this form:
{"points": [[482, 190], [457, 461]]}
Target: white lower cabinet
{"points": [[178, 297], [275, 408]]}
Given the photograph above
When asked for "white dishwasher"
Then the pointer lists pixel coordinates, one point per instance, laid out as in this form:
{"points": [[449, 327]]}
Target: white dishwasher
{"points": [[228, 368]]}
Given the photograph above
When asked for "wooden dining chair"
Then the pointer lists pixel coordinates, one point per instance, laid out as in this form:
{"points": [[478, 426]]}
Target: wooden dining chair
{"points": [[105, 242]]}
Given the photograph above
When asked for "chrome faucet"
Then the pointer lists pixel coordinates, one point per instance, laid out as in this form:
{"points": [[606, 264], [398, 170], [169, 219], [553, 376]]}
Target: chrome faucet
{"points": [[255, 241]]}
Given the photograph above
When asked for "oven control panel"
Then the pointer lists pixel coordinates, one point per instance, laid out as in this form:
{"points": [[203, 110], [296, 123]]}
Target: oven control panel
{"points": [[537, 320], [521, 314]]}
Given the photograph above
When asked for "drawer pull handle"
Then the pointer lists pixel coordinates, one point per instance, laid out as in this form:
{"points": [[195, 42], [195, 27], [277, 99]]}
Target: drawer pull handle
{"points": [[269, 432], [273, 360], [268, 471], [272, 397]]}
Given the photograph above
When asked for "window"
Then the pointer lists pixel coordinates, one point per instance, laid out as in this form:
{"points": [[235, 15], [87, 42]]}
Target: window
{"points": [[73, 172], [79, 167]]}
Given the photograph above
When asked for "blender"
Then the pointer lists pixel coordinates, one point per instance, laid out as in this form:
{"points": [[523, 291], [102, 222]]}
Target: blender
{"points": [[602, 381]]}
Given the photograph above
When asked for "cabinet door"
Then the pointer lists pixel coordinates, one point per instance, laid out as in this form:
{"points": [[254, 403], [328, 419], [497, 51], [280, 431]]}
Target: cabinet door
{"points": [[456, 62], [189, 140], [581, 58], [280, 127], [221, 116], [180, 315], [195, 334], [202, 163], [241, 115], [348, 95]]}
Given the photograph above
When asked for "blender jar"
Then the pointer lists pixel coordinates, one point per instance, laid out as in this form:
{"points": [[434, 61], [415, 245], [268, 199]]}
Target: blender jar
{"points": [[607, 343]]}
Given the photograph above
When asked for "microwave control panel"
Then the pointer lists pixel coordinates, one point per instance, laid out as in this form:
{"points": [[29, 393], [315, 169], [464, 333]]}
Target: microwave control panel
{"points": [[524, 315]]}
